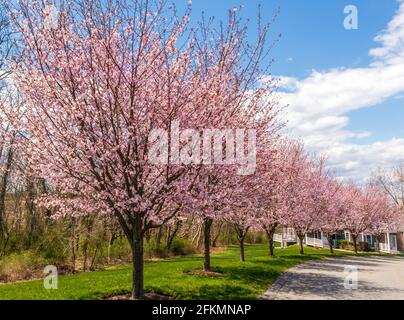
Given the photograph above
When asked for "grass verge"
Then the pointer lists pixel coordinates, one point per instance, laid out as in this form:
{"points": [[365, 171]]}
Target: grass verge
{"points": [[175, 277]]}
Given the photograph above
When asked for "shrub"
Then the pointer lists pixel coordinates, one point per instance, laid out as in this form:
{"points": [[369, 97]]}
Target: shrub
{"points": [[255, 238], [181, 247], [364, 246], [151, 250], [53, 247], [21, 266], [119, 251], [345, 244]]}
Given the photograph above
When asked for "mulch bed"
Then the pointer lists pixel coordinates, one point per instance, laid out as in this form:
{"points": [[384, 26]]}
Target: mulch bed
{"points": [[147, 296], [203, 273]]}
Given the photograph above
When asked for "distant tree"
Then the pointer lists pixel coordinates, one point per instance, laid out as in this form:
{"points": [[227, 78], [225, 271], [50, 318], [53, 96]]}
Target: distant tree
{"points": [[392, 182], [334, 201], [5, 44], [366, 211], [303, 205]]}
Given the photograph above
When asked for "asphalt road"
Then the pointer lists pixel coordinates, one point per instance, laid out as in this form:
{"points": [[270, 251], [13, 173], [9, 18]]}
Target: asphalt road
{"points": [[347, 278]]}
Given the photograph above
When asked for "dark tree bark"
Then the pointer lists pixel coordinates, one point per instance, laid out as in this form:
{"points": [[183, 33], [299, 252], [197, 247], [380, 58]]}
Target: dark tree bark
{"points": [[242, 256], [3, 190], [134, 228], [301, 238], [330, 243], [270, 231], [378, 240], [271, 246], [241, 234], [73, 225], [137, 258], [355, 243], [207, 226]]}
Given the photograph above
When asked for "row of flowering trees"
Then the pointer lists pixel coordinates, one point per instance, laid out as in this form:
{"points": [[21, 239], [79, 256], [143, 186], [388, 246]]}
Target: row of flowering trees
{"points": [[99, 77], [293, 189]]}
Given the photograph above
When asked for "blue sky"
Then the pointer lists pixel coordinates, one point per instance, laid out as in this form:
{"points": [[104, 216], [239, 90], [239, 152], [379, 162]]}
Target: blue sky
{"points": [[312, 30], [345, 87]]}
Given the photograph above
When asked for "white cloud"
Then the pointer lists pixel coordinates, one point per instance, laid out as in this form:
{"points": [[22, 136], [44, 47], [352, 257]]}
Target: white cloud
{"points": [[391, 40], [319, 103]]}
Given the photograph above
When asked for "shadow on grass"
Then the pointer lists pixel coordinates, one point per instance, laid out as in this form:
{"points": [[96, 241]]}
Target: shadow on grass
{"points": [[255, 276], [220, 292]]}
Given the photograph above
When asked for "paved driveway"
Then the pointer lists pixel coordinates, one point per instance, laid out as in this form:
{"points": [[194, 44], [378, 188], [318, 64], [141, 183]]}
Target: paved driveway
{"points": [[328, 279]]}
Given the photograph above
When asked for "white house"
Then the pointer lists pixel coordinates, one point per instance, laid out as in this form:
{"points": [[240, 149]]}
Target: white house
{"points": [[392, 242]]}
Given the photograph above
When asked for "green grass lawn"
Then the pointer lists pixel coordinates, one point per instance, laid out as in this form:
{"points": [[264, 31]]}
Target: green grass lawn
{"points": [[171, 277]]}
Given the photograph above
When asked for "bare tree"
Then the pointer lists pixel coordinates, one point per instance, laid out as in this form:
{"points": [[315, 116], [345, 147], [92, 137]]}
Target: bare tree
{"points": [[5, 45], [392, 181]]}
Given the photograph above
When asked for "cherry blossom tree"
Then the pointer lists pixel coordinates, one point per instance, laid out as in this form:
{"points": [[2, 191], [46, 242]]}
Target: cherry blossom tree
{"points": [[208, 203], [101, 79], [252, 203], [97, 83], [243, 207], [334, 200], [368, 210], [387, 215], [242, 222], [270, 197], [253, 106], [303, 192]]}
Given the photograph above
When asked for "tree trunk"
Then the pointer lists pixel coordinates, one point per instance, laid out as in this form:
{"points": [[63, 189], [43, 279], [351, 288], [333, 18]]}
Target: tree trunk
{"points": [[270, 235], [137, 260], [134, 233], [271, 246], [207, 224], [73, 242], [242, 258], [355, 243], [330, 243], [3, 190], [241, 234], [301, 237], [270, 231]]}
